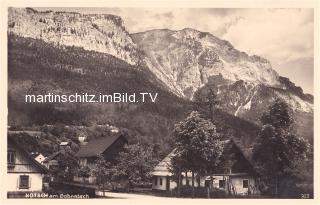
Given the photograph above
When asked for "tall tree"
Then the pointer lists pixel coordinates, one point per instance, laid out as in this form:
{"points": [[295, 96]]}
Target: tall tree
{"points": [[198, 145], [279, 115], [102, 171], [135, 163], [205, 101], [278, 150]]}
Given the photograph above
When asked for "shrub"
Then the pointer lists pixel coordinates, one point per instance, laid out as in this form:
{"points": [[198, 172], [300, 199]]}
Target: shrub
{"points": [[201, 192]]}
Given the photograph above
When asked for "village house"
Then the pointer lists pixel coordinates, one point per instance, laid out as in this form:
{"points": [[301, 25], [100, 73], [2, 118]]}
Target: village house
{"points": [[108, 146], [238, 179], [24, 173], [53, 161]]}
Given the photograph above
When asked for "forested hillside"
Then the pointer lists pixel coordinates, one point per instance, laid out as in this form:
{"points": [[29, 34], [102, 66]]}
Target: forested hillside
{"points": [[36, 67]]}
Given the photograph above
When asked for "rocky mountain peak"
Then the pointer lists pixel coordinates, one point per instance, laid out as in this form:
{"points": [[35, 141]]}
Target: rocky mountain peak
{"points": [[186, 58], [98, 32]]}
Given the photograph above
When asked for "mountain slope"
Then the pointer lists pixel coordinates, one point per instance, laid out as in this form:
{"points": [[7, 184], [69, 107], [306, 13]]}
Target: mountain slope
{"points": [[97, 32], [249, 102], [187, 58], [181, 62], [36, 67]]}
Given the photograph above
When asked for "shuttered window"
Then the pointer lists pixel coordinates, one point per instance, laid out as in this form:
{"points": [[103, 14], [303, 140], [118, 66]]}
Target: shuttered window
{"points": [[24, 182]]}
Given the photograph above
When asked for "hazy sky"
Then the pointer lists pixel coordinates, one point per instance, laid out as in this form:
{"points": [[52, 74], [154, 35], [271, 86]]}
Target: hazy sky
{"points": [[283, 36]]}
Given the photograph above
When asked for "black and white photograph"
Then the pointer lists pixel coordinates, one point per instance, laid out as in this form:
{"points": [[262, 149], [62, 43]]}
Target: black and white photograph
{"points": [[160, 103]]}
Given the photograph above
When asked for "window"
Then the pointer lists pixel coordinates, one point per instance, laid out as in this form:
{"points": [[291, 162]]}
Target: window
{"points": [[156, 181], [207, 183], [83, 162], [222, 183], [187, 182], [245, 183], [11, 157], [160, 181], [24, 182]]}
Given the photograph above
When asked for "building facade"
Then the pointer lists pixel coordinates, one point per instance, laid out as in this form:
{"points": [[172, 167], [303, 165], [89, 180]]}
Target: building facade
{"points": [[24, 174]]}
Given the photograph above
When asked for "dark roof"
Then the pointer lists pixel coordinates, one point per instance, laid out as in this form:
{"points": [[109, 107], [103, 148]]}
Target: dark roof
{"points": [[162, 169], [245, 156], [26, 154], [51, 157], [98, 146]]}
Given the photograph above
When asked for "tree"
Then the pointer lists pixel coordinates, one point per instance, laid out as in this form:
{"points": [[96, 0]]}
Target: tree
{"points": [[102, 171], [278, 151], [198, 146], [135, 163], [206, 100], [279, 116], [84, 172]]}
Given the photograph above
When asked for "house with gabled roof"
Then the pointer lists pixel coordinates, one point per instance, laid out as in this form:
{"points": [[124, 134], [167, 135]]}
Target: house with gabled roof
{"points": [[234, 174], [24, 173], [108, 146]]}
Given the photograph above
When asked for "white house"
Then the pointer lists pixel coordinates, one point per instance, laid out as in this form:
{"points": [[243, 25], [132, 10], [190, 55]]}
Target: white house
{"points": [[240, 179], [24, 174]]}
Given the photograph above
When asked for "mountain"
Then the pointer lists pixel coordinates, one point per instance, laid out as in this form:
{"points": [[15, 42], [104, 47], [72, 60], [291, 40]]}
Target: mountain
{"points": [[36, 67], [97, 32], [187, 58], [248, 101], [188, 61], [176, 62]]}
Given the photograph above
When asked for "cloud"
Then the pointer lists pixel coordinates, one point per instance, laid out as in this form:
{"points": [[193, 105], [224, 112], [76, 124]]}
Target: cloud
{"points": [[302, 68], [280, 35], [284, 36]]}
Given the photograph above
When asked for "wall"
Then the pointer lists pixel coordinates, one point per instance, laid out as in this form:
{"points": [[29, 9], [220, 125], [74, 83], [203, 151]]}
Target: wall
{"points": [[173, 184], [158, 186], [85, 180], [236, 181], [35, 180], [23, 166], [238, 184], [22, 163]]}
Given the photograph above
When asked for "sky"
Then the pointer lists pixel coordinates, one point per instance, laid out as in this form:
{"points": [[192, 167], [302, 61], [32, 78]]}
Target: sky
{"points": [[283, 36]]}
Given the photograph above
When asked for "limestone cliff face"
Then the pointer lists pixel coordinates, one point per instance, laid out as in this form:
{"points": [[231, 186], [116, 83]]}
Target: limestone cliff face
{"points": [[187, 58], [98, 32]]}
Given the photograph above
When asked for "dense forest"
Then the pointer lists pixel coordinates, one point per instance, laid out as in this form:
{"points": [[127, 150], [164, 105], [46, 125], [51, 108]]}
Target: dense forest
{"points": [[36, 67]]}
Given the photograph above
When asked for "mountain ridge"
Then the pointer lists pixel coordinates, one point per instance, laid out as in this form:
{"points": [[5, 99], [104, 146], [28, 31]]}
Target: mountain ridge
{"points": [[99, 32], [182, 61]]}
